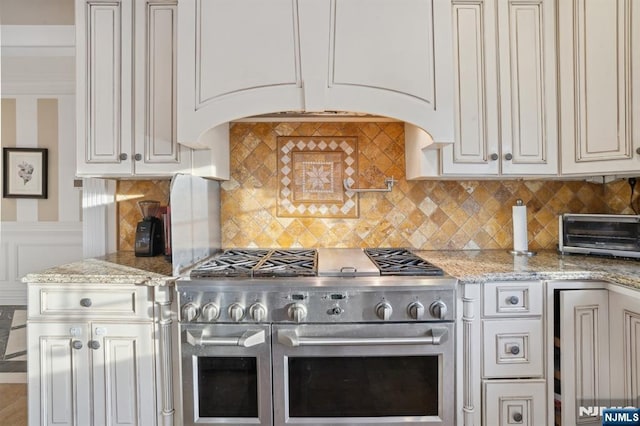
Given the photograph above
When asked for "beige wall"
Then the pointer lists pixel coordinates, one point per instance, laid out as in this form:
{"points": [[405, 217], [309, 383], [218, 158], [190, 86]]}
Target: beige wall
{"points": [[36, 12], [8, 140]]}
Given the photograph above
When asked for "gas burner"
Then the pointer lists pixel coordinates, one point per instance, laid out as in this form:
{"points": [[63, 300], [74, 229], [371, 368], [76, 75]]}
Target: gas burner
{"points": [[400, 261], [231, 263], [248, 263], [288, 263]]}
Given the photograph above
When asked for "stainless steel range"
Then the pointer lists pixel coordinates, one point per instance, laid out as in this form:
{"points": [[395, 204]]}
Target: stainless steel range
{"points": [[317, 337]]}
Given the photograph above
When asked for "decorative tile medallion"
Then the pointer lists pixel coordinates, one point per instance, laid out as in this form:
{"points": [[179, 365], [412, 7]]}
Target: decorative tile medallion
{"points": [[311, 171]]}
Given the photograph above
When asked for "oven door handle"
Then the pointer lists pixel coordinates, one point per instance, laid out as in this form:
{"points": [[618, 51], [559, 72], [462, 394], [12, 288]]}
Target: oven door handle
{"points": [[248, 339], [290, 338]]}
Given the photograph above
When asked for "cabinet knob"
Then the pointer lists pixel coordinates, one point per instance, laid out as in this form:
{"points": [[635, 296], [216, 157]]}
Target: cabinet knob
{"points": [[494, 156], [137, 157], [123, 156], [638, 151], [508, 156], [76, 344], [513, 300], [94, 344], [517, 417], [85, 302], [515, 350]]}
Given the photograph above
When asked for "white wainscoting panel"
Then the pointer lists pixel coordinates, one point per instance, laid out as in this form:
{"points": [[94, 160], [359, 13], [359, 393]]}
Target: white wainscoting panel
{"points": [[32, 247]]}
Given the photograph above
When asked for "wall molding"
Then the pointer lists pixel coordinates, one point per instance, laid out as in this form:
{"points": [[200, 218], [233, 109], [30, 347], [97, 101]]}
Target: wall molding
{"points": [[38, 40], [31, 247]]}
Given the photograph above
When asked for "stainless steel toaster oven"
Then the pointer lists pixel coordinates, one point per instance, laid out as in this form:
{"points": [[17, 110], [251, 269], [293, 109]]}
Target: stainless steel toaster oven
{"points": [[602, 234]]}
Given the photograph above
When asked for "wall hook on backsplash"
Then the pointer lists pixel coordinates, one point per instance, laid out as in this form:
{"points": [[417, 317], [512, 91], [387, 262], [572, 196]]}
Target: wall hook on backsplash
{"points": [[389, 181]]}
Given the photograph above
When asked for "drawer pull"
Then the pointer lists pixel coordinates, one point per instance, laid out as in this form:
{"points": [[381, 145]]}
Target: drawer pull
{"points": [[513, 300], [86, 302], [517, 417], [515, 350], [76, 344], [94, 344]]}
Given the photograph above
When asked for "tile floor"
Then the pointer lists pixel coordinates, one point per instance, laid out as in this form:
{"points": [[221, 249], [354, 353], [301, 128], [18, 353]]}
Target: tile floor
{"points": [[13, 344]]}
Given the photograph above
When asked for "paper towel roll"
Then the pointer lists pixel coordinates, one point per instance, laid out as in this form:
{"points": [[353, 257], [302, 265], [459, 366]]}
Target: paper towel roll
{"points": [[520, 241]]}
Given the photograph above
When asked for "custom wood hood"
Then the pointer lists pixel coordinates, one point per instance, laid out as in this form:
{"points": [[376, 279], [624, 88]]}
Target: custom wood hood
{"points": [[242, 58]]}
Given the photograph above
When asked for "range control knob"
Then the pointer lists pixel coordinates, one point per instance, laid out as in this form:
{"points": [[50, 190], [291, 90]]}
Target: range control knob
{"points": [[236, 312], [384, 311], [190, 312], [258, 312], [210, 312], [297, 312], [416, 310], [438, 309]]}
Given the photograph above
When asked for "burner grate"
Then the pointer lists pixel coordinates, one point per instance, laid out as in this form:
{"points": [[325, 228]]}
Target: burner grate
{"points": [[401, 261], [260, 263]]}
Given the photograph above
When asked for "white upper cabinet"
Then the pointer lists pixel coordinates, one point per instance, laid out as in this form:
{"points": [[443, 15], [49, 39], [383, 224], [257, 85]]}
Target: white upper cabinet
{"points": [[599, 49], [505, 89], [126, 116], [528, 92], [156, 145], [104, 86], [240, 58]]}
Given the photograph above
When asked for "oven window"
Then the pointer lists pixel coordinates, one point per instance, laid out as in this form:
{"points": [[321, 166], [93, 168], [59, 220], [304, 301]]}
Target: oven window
{"points": [[363, 386], [227, 387]]}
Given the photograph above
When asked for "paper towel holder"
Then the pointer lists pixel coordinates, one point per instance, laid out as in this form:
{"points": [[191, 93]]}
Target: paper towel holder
{"points": [[527, 253]]}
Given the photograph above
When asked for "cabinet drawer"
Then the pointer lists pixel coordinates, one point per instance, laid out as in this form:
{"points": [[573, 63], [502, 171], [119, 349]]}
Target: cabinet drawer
{"points": [[513, 348], [513, 298], [77, 300], [514, 402]]}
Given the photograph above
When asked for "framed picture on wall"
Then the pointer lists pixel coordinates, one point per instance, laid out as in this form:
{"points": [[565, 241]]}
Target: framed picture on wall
{"points": [[24, 172]]}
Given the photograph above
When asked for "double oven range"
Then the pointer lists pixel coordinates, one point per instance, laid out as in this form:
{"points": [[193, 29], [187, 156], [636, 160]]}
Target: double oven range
{"points": [[317, 337]]}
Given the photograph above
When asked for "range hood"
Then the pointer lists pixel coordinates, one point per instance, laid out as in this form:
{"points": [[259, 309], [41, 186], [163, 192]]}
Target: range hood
{"points": [[318, 60]]}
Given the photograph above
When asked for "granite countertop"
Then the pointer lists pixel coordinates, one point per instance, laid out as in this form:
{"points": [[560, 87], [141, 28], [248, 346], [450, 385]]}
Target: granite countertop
{"points": [[116, 268], [468, 266], [480, 266]]}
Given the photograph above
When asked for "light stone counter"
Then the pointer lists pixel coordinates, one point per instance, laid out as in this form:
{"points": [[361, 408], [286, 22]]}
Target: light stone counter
{"points": [[480, 266], [116, 268]]}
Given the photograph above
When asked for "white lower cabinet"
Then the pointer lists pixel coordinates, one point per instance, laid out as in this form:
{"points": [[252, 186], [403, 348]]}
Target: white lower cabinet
{"points": [[584, 350], [513, 348], [514, 402], [91, 355], [624, 323], [93, 373]]}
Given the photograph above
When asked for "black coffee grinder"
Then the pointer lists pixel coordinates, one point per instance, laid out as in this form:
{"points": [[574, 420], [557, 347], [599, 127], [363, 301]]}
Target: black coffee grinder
{"points": [[149, 239]]}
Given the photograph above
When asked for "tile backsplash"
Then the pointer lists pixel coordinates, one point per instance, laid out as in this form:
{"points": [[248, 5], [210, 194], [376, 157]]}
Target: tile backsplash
{"points": [[467, 214], [128, 193], [426, 215]]}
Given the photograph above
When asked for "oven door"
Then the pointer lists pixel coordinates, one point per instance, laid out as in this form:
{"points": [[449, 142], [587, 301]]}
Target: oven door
{"points": [[365, 374], [226, 372]]}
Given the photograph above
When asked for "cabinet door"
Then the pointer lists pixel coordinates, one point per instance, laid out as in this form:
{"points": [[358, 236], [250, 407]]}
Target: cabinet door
{"points": [[123, 374], [58, 360], [386, 57], [156, 145], [237, 58], [104, 86], [527, 64], [520, 402], [475, 150], [599, 54], [624, 325], [584, 352]]}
